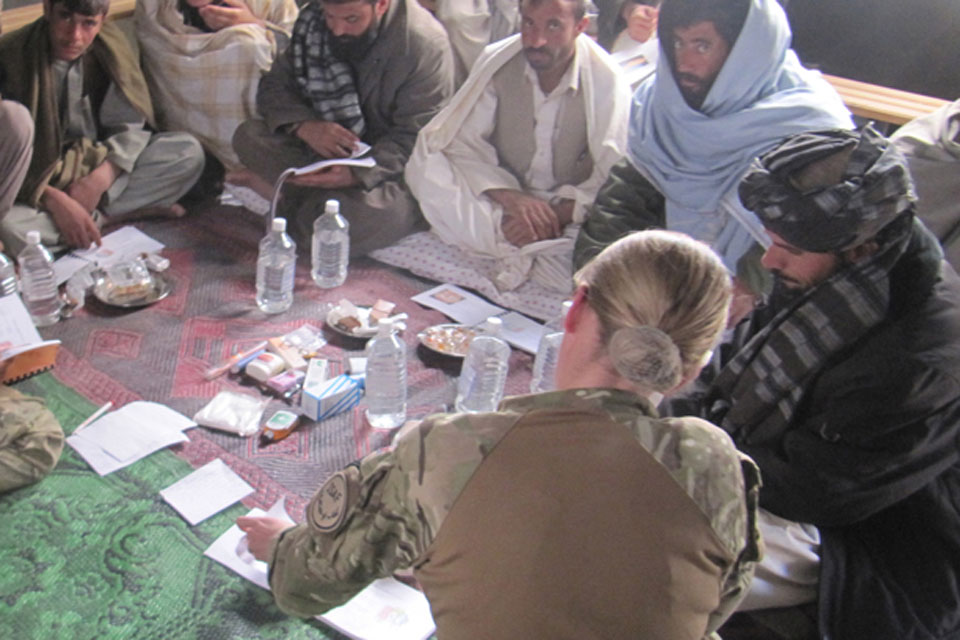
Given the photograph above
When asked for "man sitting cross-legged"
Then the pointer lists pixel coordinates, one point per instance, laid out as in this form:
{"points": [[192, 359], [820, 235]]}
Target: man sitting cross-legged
{"points": [[845, 389], [92, 152], [509, 167], [374, 71], [727, 88]]}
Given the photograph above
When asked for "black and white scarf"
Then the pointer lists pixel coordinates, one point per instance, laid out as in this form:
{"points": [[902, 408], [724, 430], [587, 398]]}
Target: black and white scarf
{"points": [[324, 79], [757, 393]]}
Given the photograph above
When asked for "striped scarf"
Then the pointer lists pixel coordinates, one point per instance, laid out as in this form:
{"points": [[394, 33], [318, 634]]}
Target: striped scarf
{"points": [[757, 393], [325, 80]]}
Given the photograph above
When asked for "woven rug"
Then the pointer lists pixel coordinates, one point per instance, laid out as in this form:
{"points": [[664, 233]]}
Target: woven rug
{"points": [[86, 557]]}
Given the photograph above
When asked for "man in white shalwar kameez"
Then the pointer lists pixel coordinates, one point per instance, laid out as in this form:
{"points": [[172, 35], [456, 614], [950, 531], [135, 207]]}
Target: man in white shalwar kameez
{"points": [[509, 167]]}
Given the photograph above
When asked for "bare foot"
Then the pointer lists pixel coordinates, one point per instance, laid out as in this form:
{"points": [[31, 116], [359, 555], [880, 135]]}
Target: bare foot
{"points": [[247, 178], [159, 211]]}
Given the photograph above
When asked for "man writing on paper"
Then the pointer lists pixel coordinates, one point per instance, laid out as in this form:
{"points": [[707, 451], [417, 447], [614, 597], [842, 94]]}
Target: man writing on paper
{"points": [[30, 437], [509, 167], [370, 70], [92, 153], [727, 88], [844, 389]]}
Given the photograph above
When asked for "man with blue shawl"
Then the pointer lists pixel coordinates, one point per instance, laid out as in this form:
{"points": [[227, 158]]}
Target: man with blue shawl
{"points": [[727, 88]]}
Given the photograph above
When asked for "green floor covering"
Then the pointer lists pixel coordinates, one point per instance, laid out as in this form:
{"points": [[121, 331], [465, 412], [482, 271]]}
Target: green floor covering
{"points": [[88, 557]]}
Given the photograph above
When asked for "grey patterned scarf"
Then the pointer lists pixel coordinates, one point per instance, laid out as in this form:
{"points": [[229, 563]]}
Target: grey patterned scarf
{"points": [[759, 390], [324, 79]]}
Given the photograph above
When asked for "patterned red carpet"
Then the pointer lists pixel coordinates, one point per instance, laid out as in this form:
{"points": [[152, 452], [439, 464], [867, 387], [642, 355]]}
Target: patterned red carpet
{"points": [[160, 352]]}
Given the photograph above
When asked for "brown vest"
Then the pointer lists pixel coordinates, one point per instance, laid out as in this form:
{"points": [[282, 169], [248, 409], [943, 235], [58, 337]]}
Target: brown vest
{"points": [[513, 133], [571, 529]]}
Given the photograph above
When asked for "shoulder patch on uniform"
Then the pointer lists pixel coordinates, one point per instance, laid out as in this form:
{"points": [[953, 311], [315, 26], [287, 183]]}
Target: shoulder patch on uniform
{"points": [[329, 507]]}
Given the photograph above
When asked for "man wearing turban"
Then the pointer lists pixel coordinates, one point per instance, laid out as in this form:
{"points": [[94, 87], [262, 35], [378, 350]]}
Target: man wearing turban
{"points": [[845, 389]]}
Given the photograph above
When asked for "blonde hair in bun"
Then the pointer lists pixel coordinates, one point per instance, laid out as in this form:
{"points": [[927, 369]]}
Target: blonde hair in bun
{"points": [[662, 299]]}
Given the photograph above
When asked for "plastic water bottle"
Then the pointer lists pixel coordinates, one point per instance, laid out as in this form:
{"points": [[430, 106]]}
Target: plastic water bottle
{"points": [[8, 276], [545, 363], [38, 283], [484, 371], [276, 266], [386, 381], [330, 252]]}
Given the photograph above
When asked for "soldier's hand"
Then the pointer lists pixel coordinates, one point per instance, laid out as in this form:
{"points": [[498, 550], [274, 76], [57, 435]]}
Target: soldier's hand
{"points": [[329, 139], [261, 534]]}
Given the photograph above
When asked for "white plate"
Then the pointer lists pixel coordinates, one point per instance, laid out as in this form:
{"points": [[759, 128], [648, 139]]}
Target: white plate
{"points": [[448, 339], [363, 315]]}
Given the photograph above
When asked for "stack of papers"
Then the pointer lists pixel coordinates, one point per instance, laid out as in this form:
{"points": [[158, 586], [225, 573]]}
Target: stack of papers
{"points": [[386, 610], [472, 310], [123, 244], [124, 436]]}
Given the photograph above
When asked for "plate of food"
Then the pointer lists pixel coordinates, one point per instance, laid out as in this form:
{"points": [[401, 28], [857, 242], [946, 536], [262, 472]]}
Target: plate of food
{"points": [[448, 339], [358, 321], [130, 288]]}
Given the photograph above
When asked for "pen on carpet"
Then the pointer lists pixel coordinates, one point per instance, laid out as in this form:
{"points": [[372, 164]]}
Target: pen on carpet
{"points": [[96, 414], [224, 366]]}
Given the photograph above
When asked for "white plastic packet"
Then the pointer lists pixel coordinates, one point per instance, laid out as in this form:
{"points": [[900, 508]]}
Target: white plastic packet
{"points": [[237, 413]]}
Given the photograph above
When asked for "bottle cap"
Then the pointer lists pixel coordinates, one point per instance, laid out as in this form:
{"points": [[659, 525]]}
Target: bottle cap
{"points": [[493, 326], [33, 237], [332, 206], [279, 224]]}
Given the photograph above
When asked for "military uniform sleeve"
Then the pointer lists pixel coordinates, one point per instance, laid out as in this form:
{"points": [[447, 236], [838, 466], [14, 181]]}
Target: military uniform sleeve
{"points": [[626, 202], [30, 439]]}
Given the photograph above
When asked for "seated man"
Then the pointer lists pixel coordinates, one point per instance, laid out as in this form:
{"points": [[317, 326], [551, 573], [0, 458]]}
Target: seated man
{"points": [[844, 389], [204, 60], [508, 169], [727, 88], [16, 150], [91, 151], [931, 144], [370, 70], [30, 437]]}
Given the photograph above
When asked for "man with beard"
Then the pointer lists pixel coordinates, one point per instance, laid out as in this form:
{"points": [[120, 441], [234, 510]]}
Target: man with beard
{"points": [[356, 70], [844, 389], [727, 88], [508, 168]]}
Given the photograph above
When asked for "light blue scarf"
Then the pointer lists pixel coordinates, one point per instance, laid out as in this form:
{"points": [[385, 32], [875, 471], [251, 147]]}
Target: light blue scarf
{"points": [[696, 158]]}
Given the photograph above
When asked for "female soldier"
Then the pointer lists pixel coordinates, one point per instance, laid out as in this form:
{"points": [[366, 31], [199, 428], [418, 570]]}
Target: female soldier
{"points": [[574, 513]]}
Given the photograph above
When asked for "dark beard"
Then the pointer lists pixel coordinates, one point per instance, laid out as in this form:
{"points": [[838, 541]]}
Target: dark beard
{"points": [[347, 48]]}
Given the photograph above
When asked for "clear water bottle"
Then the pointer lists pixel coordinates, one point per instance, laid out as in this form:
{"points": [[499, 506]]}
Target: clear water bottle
{"points": [[276, 266], [386, 383], [545, 363], [8, 276], [484, 371], [330, 253], [38, 283]]}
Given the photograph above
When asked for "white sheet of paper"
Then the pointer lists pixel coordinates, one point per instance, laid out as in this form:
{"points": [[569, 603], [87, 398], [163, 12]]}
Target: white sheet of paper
{"points": [[120, 245], [386, 610], [16, 327], [208, 490], [521, 332], [133, 432], [461, 305]]}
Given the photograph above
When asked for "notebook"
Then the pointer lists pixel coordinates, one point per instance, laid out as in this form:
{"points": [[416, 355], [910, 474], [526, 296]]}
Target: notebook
{"points": [[24, 353]]}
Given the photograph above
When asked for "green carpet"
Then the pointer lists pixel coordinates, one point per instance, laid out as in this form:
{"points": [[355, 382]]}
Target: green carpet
{"points": [[88, 557]]}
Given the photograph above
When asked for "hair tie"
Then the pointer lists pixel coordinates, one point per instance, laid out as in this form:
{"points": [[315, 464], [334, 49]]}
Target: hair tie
{"points": [[647, 356]]}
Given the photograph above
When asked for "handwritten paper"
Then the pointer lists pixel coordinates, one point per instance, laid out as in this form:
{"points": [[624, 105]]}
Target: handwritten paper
{"points": [[386, 609], [208, 490], [122, 437]]}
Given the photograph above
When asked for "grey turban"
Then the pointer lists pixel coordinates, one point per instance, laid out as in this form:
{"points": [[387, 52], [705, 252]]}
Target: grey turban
{"points": [[825, 191]]}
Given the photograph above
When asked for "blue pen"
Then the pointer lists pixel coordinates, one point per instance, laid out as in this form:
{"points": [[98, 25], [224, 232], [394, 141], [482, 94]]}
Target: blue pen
{"points": [[244, 361]]}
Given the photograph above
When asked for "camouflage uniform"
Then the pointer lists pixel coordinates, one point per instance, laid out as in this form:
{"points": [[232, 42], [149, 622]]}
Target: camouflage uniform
{"points": [[30, 439], [404, 507]]}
